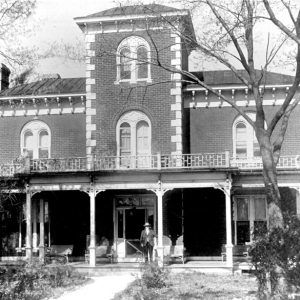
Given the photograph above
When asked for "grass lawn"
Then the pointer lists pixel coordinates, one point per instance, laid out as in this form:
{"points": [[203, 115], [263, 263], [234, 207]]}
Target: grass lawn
{"points": [[195, 286]]}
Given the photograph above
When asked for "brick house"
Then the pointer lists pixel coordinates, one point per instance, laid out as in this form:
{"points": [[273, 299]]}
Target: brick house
{"points": [[92, 159]]}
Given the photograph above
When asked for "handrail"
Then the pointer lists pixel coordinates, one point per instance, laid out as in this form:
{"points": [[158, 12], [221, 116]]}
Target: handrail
{"points": [[142, 162]]}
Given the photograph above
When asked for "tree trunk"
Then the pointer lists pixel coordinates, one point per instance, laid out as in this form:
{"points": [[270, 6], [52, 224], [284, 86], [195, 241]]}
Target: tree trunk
{"points": [[270, 181]]}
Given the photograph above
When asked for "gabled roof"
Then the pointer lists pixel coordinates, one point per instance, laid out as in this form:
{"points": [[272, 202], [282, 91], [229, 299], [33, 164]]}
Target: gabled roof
{"points": [[48, 86], [227, 77], [134, 10]]}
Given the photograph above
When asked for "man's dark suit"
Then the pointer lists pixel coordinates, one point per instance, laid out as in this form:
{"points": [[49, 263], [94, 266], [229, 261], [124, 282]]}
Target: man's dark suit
{"points": [[147, 243]]}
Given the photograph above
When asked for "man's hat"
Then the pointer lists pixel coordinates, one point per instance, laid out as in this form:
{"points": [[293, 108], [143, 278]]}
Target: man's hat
{"points": [[147, 225]]}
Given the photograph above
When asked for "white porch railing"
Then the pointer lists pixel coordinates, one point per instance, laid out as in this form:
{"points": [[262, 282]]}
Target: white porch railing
{"points": [[205, 160], [58, 164], [285, 162], [144, 162]]}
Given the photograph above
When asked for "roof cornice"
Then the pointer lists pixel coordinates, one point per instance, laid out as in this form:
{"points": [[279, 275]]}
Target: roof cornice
{"points": [[82, 20], [42, 96]]}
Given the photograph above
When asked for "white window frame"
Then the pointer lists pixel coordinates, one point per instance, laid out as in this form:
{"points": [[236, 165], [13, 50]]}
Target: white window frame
{"points": [[133, 43], [133, 118], [251, 213], [249, 132], [36, 127]]}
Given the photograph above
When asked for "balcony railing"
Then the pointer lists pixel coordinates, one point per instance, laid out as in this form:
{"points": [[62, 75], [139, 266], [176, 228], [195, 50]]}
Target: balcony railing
{"points": [[143, 162], [285, 162]]}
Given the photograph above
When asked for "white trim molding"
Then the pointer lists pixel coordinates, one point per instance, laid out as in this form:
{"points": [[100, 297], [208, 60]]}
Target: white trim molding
{"points": [[90, 96], [176, 95]]}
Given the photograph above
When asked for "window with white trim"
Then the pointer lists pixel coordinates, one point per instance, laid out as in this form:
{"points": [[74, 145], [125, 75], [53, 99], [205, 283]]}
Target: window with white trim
{"points": [[250, 216], [134, 139], [133, 56], [36, 140], [245, 144]]}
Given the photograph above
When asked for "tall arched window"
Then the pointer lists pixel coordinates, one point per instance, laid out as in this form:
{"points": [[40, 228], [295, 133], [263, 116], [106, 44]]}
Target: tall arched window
{"points": [[36, 140], [245, 144], [133, 56], [125, 64], [134, 139]]}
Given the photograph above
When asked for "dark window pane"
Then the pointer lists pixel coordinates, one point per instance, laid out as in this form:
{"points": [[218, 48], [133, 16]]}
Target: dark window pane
{"points": [[243, 232], [125, 64]]}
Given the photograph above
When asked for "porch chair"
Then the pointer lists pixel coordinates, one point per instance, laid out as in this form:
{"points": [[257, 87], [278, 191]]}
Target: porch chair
{"points": [[174, 251], [237, 250], [102, 251], [177, 250], [60, 252]]}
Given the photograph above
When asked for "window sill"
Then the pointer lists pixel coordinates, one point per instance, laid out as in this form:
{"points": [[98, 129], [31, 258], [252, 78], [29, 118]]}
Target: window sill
{"points": [[148, 80]]}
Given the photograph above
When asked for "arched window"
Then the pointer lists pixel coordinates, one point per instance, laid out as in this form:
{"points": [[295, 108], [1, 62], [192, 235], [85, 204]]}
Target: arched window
{"points": [[36, 140], [142, 138], [134, 139], [245, 144], [125, 141], [133, 56], [125, 64]]}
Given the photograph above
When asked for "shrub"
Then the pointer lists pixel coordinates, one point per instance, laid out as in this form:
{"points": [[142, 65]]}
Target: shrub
{"points": [[35, 281], [275, 255], [154, 276]]}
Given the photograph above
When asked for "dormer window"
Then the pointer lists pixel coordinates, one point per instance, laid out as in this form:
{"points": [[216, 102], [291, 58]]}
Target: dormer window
{"points": [[133, 56]]}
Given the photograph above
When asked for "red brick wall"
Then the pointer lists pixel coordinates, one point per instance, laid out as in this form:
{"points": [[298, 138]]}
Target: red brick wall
{"points": [[67, 135], [211, 130], [113, 100]]}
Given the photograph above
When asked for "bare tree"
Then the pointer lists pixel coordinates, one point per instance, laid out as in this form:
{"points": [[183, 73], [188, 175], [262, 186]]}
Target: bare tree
{"points": [[13, 17], [231, 39]]}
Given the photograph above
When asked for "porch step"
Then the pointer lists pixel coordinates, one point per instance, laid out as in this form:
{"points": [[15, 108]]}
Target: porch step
{"points": [[135, 268]]}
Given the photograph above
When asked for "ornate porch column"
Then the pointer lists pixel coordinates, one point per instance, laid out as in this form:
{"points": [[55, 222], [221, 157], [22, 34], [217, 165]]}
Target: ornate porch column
{"points": [[226, 189], [42, 231], [160, 247], [28, 225], [34, 226], [92, 248], [229, 254]]}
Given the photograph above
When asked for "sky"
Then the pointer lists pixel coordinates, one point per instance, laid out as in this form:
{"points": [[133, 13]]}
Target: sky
{"points": [[53, 22]]}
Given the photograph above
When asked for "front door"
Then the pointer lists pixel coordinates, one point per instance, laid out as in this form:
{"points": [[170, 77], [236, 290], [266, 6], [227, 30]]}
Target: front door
{"points": [[134, 221]]}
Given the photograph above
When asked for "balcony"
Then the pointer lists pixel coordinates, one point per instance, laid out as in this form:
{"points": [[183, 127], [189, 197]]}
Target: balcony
{"points": [[149, 162]]}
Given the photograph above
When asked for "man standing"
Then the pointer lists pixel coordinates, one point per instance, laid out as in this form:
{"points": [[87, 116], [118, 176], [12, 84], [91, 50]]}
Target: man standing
{"points": [[147, 240]]}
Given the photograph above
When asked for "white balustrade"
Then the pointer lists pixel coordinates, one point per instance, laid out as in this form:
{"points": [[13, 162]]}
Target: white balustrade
{"points": [[144, 162]]}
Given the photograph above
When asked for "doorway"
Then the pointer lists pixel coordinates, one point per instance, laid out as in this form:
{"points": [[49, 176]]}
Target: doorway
{"points": [[130, 220]]}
